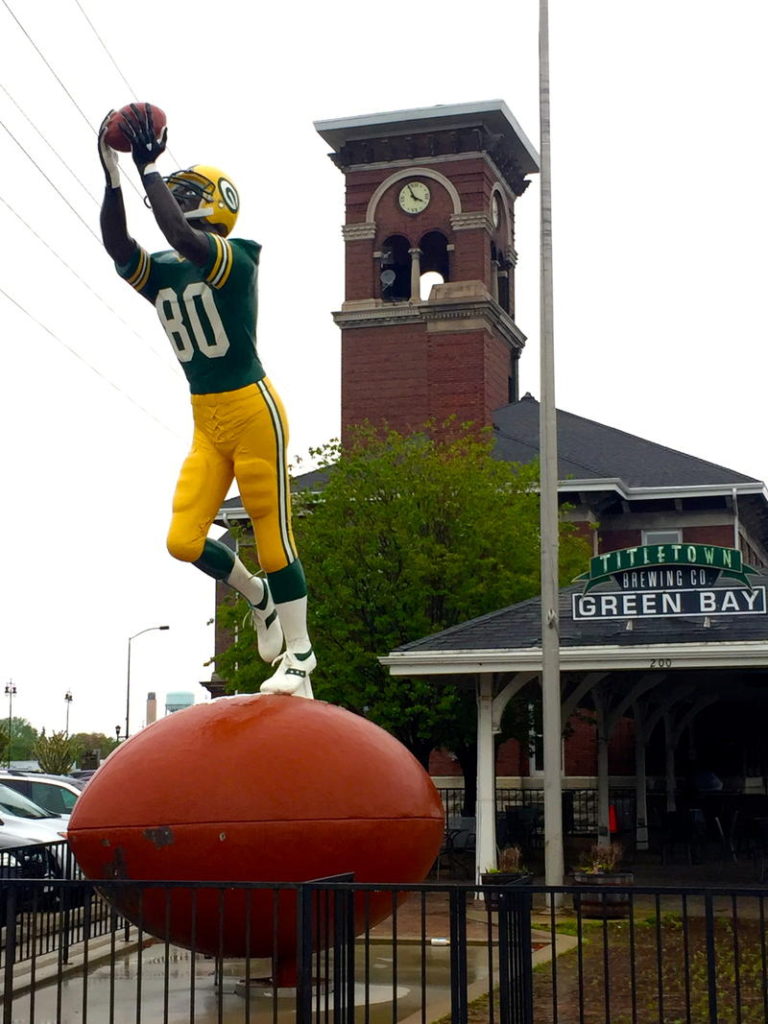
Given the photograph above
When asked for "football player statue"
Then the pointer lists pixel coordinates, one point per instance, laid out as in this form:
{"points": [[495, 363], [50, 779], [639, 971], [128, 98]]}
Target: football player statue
{"points": [[204, 290]]}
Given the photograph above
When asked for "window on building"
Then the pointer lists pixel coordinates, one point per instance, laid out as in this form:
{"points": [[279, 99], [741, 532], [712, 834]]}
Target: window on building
{"points": [[501, 270], [513, 379], [395, 269], [662, 537], [434, 254]]}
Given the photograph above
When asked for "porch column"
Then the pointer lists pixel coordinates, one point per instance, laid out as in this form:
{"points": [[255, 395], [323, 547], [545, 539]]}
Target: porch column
{"points": [[603, 792], [641, 786], [485, 827], [669, 760]]}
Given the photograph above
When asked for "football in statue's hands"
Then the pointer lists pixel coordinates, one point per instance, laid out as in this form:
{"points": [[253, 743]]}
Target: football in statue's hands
{"points": [[114, 136]]}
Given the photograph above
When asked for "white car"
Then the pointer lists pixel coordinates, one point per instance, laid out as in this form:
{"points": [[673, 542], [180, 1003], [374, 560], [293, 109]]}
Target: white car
{"points": [[54, 793], [21, 817]]}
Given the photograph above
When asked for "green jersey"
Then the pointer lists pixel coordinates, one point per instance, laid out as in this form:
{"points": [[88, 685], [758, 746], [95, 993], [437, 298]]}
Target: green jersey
{"points": [[208, 312]]}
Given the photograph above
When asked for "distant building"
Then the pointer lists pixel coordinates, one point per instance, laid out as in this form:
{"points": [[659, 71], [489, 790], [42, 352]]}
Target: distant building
{"points": [[178, 700]]}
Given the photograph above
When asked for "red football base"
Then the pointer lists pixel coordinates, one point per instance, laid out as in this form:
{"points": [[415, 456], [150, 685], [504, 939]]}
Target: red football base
{"points": [[253, 788]]}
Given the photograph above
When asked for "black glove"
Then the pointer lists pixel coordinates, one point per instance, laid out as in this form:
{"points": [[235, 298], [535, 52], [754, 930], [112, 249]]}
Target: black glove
{"points": [[139, 130], [108, 156]]}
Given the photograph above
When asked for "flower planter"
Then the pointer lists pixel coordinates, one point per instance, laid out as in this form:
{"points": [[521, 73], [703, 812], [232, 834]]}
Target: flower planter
{"points": [[505, 878], [603, 905]]}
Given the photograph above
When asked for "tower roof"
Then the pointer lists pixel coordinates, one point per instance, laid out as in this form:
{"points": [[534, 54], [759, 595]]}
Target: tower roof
{"points": [[493, 115]]}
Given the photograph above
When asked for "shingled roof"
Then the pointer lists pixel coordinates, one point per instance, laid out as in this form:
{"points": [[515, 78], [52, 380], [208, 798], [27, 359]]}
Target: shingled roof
{"points": [[518, 627], [588, 450]]}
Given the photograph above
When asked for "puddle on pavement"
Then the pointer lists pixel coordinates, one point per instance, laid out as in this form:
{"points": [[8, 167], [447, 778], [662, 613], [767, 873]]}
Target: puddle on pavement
{"points": [[180, 989]]}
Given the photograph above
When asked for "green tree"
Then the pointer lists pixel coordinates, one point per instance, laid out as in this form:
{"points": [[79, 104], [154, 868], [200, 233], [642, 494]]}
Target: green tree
{"points": [[409, 535], [23, 739], [56, 753], [95, 742]]}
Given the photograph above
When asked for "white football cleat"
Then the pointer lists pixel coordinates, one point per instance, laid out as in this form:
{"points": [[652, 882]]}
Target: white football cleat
{"points": [[266, 622], [292, 675]]}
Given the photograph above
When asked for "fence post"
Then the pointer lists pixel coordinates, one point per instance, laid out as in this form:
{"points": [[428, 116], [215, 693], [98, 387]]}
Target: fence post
{"points": [[311, 926], [64, 924], [343, 957], [457, 909], [10, 954], [709, 914]]}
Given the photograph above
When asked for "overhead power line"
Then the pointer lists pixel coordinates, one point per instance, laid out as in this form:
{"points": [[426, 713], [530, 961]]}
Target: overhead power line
{"points": [[116, 66], [90, 366], [82, 281], [69, 95], [82, 113], [104, 47], [55, 188], [55, 152], [43, 58]]}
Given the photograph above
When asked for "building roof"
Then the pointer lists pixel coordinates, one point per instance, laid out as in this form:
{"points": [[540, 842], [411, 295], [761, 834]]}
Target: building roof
{"points": [[591, 456], [493, 113], [588, 450], [519, 626], [509, 640]]}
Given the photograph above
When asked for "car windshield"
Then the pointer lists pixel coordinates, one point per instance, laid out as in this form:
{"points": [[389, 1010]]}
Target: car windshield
{"points": [[14, 803]]}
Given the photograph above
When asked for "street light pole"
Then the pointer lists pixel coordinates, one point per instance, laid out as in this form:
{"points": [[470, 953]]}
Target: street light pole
{"points": [[10, 690], [68, 699], [141, 632]]}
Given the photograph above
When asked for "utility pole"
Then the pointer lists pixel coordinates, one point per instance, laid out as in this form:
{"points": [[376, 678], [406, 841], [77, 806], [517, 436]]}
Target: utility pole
{"points": [[554, 862]]}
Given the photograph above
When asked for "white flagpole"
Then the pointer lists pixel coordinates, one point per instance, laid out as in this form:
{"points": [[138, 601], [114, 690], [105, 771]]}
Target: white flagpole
{"points": [[549, 520]]}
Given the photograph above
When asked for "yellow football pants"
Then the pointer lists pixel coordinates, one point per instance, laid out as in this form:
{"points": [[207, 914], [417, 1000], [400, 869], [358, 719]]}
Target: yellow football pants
{"points": [[240, 435]]}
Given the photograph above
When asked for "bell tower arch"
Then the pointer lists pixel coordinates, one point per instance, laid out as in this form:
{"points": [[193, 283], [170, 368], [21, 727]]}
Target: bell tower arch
{"points": [[429, 192]]}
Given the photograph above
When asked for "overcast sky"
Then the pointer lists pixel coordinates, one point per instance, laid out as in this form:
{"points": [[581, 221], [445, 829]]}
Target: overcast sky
{"points": [[660, 217]]}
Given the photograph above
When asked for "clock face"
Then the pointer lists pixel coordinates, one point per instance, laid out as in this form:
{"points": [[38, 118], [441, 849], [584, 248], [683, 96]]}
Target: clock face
{"points": [[414, 197], [495, 210]]}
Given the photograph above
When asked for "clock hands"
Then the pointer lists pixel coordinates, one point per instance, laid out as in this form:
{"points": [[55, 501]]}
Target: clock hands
{"points": [[414, 197]]}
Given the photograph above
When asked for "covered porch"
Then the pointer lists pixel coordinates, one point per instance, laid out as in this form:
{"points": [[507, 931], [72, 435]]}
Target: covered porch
{"points": [[662, 672]]}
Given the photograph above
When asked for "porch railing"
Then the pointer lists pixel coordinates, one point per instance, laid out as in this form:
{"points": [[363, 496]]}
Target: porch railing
{"points": [[579, 806]]}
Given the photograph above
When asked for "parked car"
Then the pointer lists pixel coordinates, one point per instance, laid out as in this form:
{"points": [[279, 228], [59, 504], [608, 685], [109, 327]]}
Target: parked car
{"points": [[27, 858], [22, 821], [55, 793], [23, 818]]}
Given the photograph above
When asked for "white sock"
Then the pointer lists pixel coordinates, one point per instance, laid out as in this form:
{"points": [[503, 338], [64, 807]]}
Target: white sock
{"points": [[293, 619], [244, 582]]}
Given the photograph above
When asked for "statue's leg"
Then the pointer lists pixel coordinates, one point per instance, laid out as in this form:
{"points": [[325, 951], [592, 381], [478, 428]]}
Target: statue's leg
{"points": [[202, 486], [262, 475]]}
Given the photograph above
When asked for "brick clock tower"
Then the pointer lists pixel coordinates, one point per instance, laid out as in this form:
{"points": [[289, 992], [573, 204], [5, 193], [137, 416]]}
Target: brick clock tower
{"points": [[430, 199]]}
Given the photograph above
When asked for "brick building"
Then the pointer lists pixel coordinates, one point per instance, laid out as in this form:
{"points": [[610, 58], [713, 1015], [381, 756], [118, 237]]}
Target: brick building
{"points": [[428, 331]]}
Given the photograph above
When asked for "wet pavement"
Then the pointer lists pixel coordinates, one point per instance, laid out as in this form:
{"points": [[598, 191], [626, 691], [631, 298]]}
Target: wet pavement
{"points": [[170, 985]]}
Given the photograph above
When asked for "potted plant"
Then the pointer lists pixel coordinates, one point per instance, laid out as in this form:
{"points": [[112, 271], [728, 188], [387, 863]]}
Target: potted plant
{"points": [[511, 870], [604, 869]]}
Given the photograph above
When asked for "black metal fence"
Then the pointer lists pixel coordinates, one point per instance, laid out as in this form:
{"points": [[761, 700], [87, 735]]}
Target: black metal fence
{"points": [[336, 951], [46, 904], [579, 806]]}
